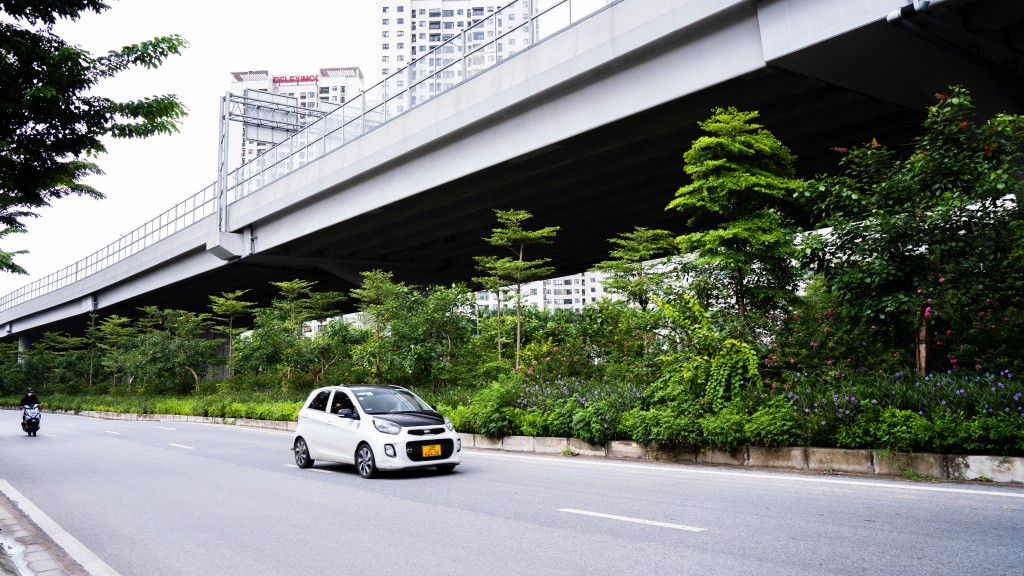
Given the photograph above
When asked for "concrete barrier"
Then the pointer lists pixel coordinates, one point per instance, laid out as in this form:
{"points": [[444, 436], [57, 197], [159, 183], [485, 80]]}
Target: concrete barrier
{"points": [[906, 464], [839, 460], [788, 458]]}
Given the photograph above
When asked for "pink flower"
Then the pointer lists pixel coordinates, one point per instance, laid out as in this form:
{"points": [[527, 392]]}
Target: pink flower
{"points": [[556, 348], [928, 312], [874, 327], [919, 291], [929, 300], [941, 280]]}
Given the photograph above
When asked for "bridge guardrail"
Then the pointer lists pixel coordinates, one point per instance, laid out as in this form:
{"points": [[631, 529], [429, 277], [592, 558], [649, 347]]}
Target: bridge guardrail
{"points": [[474, 50]]}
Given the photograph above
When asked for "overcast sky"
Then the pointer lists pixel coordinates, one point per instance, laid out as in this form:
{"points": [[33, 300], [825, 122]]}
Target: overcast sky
{"points": [[146, 177]]}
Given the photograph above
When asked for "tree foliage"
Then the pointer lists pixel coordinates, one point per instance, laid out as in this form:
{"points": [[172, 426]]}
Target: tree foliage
{"points": [[741, 177], [516, 270], [52, 124], [905, 230]]}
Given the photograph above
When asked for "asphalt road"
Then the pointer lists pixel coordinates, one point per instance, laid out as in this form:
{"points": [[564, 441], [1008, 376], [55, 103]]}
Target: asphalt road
{"points": [[152, 498]]}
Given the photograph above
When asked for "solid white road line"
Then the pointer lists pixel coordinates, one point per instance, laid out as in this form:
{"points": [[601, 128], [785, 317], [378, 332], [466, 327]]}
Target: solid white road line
{"points": [[48, 435], [634, 520], [92, 563], [182, 446], [112, 432], [166, 428]]}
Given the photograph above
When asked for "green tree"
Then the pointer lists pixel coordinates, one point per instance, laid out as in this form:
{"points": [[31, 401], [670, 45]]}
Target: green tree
{"points": [[384, 303], [177, 347], [915, 240], [54, 122], [117, 334], [741, 176], [639, 266], [516, 270], [494, 284], [228, 307]]}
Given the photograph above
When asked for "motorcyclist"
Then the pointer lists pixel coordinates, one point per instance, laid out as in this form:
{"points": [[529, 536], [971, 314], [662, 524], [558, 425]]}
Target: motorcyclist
{"points": [[29, 398]]}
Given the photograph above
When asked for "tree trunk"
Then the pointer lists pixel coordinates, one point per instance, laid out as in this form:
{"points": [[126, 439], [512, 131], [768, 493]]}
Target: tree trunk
{"points": [[921, 347]]}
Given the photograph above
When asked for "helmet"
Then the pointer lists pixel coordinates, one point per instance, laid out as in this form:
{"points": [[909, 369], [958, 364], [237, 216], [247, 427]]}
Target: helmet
{"points": [[29, 391]]}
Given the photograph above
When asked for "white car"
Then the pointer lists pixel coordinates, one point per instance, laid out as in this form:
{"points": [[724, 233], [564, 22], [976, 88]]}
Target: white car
{"points": [[374, 428]]}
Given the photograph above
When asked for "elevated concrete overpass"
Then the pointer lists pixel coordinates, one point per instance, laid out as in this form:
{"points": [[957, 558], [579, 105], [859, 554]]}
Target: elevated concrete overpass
{"points": [[585, 129]]}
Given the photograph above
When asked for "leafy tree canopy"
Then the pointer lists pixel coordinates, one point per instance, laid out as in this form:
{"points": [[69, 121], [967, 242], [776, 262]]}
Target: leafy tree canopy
{"points": [[51, 121]]}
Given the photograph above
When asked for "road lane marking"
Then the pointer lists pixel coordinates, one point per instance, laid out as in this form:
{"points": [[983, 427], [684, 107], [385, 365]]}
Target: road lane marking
{"points": [[634, 520], [182, 446], [112, 432], [166, 428], [49, 435], [79, 553], [879, 483]]}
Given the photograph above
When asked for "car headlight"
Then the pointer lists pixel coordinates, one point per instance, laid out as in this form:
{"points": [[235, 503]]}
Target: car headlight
{"points": [[386, 426], [448, 424]]}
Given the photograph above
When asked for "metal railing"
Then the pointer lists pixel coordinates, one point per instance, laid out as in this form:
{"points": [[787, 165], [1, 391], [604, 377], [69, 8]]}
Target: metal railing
{"points": [[182, 215], [480, 47]]}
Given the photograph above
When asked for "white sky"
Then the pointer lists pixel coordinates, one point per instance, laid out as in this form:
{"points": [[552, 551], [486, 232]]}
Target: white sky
{"points": [[146, 177]]}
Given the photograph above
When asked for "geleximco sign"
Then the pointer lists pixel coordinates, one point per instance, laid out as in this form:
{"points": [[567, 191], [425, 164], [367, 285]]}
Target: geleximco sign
{"points": [[306, 79]]}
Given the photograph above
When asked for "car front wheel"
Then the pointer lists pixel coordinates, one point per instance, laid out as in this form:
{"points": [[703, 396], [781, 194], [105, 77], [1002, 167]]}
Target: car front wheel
{"points": [[302, 458], [365, 463]]}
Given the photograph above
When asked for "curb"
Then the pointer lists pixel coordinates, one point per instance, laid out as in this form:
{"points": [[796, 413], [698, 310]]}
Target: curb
{"points": [[951, 467]]}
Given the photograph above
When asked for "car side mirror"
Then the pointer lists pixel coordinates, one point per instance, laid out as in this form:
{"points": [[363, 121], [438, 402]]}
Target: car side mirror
{"points": [[348, 413]]}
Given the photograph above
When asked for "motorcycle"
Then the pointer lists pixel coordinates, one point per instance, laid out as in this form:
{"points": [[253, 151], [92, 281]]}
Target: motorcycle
{"points": [[30, 419]]}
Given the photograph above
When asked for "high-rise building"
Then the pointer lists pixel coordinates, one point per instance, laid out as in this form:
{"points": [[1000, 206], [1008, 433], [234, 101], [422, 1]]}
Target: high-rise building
{"points": [[434, 44], [317, 93], [565, 292]]}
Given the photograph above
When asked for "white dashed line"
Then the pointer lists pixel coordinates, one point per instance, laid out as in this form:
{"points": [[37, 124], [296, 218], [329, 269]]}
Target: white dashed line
{"points": [[182, 446], [112, 432], [634, 520]]}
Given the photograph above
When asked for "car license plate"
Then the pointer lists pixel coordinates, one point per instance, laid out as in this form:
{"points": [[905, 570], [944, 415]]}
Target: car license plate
{"points": [[431, 450]]}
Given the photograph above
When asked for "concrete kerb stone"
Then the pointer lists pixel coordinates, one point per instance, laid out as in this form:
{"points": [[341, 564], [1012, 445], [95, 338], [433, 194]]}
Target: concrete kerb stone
{"points": [[487, 443], [737, 457], [901, 463], [586, 449], [517, 443], [987, 468], [839, 460], [550, 445], [627, 449], [788, 458]]}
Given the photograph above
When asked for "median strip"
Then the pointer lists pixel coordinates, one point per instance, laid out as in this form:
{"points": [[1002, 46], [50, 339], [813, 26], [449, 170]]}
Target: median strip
{"points": [[634, 520]]}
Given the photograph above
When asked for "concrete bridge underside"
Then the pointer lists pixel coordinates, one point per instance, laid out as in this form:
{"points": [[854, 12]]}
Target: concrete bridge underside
{"points": [[586, 131]]}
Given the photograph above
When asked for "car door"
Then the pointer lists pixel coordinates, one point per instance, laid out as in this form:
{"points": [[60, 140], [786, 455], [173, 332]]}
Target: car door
{"points": [[314, 422], [343, 427]]}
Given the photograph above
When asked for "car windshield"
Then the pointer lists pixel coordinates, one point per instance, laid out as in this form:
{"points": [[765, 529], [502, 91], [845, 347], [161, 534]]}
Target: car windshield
{"points": [[389, 401]]}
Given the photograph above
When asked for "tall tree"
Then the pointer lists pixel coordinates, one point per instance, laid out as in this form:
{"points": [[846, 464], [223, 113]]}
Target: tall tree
{"points": [[516, 270], [492, 283], [383, 301], [741, 176], [927, 235], [228, 307], [51, 122], [637, 268]]}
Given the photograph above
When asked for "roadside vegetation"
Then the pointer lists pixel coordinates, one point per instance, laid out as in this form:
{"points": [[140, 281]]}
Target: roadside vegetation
{"points": [[877, 307]]}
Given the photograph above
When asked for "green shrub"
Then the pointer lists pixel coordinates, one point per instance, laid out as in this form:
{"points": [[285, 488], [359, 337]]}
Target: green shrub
{"points": [[595, 423], [775, 425], [723, 430], [494, 409], [901, 430]]}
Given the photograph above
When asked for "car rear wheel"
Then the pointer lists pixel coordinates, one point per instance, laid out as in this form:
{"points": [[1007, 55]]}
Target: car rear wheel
{"points": [[302, 458], [365, 463]]}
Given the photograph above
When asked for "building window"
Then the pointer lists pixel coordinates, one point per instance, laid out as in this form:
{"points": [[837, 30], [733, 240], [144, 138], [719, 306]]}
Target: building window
{"points": [[384, 21], [401, 32], [384, 59], [401, 8], [385, 71], [401, 58], [385, 10], [401, 45], [385, 46], [401, 20], [533, 291], [384, 34]]}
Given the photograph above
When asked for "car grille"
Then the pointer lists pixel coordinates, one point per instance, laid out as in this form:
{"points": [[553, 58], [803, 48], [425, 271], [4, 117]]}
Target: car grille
{"points": [[426, 431], [414, 450]]}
